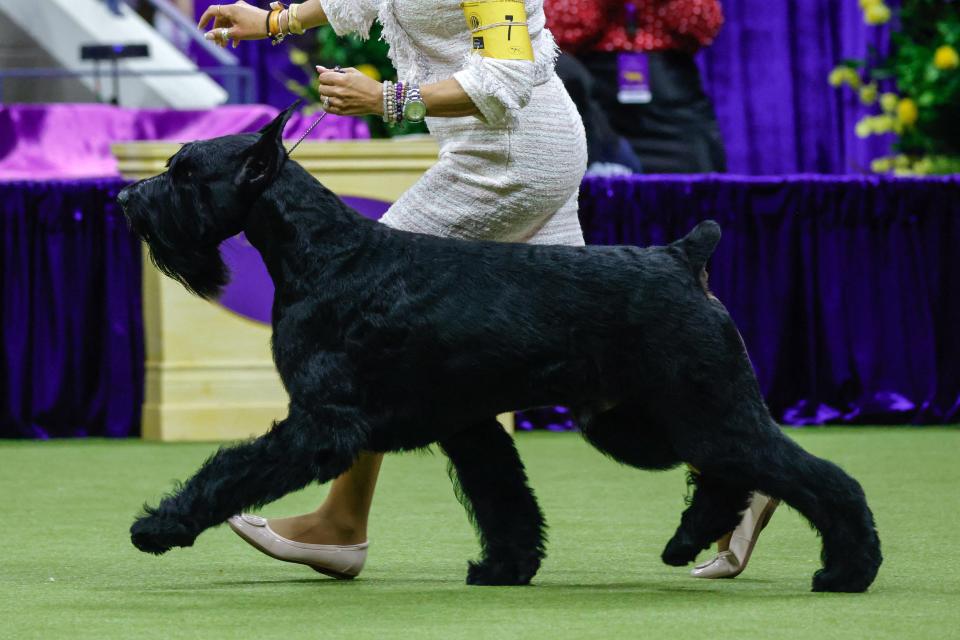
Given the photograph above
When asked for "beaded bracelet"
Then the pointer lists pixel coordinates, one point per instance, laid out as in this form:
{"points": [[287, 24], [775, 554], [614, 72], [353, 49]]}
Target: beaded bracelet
{"points": [[401, 97], [389, 104]]}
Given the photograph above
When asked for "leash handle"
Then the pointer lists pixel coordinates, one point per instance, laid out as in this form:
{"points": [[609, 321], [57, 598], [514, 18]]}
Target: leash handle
{"points": [[311, 127]]}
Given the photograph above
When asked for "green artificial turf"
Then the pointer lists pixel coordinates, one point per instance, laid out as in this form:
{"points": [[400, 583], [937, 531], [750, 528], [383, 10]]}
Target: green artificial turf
{"points": [[67, 569]]}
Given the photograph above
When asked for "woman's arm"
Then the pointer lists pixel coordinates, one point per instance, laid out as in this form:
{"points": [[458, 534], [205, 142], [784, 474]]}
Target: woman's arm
{"points": [[447, 99], [244, 21], [311, 14], [354, 94]]}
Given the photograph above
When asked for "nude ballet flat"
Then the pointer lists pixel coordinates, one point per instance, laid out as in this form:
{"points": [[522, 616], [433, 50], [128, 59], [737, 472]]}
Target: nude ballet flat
{"points": [[727, 564], [343, 562]]}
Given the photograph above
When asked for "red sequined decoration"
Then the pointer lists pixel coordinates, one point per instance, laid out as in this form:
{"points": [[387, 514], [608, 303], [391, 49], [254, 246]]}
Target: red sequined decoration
{"points": [[658, 25]]}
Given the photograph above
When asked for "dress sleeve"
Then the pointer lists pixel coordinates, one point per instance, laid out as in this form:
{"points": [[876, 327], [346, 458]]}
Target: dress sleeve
{"points": [[351, 16], [500, 88]]}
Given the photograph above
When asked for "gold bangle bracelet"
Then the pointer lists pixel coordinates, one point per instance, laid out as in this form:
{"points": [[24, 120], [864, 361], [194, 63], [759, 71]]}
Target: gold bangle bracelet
{"points": [[293, 20]]}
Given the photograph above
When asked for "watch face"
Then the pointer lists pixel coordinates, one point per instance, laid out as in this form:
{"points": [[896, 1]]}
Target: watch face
{"points": [[415, 111]]}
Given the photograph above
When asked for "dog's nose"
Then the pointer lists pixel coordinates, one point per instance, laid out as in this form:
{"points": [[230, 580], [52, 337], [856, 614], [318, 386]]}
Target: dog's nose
{"points": [[124, 196]]}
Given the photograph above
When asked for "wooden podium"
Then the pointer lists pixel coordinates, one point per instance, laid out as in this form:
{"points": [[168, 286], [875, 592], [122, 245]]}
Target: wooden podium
{"points": [[209, 371]]}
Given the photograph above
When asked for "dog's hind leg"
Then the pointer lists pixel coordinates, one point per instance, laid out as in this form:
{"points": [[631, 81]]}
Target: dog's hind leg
{"points": [[492, 486], [303, 448], [628, 435], [831, 500]]}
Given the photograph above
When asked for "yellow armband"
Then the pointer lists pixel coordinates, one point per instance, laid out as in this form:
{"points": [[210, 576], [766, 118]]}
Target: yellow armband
{"points": [[498, 29]]}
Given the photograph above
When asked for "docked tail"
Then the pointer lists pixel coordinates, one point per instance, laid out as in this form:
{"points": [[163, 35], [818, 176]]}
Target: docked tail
{"points": [[699, 244]]}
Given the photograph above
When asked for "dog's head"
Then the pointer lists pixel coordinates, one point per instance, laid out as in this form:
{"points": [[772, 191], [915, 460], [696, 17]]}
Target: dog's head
{"points": [[203, 198]]}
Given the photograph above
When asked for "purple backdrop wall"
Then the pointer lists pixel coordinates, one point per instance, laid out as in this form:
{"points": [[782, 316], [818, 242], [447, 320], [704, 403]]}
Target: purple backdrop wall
{"points": [[767, 73]]}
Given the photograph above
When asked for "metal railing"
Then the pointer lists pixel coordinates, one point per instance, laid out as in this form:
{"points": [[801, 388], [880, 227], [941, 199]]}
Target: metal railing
{"points": [[243, 79], [224, 58]]}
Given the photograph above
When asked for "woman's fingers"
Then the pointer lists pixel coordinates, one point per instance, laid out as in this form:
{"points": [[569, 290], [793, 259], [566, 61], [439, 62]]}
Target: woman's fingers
{"points": [[243, 22], [208, 15], [331, 78], [222, 35]]}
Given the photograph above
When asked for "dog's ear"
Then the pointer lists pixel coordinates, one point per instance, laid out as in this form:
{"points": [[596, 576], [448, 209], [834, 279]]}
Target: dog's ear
{"points": [[262, 160]]}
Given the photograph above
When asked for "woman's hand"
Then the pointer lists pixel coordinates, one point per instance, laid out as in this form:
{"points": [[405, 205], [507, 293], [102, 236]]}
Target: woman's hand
{"points": [[349, 92], [241, 21]]}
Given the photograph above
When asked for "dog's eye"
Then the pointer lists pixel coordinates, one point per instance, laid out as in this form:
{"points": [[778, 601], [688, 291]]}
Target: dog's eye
{"points": [[183, 171]]}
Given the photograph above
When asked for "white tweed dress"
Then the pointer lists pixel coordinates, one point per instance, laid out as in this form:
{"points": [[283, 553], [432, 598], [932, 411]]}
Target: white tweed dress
{"points": [[511, 174]]}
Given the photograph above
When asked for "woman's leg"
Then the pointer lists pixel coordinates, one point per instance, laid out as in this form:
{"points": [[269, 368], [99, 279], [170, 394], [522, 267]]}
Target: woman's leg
{"points": [[342, 518]]}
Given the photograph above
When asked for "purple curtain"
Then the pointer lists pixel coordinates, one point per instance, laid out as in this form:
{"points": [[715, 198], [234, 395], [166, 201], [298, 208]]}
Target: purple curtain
{"points": [[844, 288], [71, 350], [767, 74]]}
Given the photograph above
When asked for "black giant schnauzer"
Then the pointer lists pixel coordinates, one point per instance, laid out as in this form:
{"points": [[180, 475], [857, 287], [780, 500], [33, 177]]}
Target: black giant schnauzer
{"points": [[390, 341]]}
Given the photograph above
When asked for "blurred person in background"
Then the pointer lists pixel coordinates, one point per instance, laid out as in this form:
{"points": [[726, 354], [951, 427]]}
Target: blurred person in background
{"points": [[163, 24], [640, 56]]}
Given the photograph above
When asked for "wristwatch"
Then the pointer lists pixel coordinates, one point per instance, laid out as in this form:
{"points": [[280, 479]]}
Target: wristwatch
{"points": [[413, 108]]}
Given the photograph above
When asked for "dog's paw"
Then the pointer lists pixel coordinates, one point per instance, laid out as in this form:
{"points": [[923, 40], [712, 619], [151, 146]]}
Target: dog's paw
{"points": [[840, 581], [157, 535], [680, 552], [500, 573]]}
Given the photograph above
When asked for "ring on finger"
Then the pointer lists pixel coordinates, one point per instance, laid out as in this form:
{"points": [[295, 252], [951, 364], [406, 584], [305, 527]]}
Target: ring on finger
{"points": [[325, 103], [224, 34]]}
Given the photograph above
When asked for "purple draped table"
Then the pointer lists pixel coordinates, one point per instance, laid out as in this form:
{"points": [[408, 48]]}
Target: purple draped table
{"points": [[841, 287], [845, 288], [58, 141]]}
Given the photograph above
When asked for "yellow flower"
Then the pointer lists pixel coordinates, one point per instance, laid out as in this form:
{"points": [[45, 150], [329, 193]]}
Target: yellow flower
{"points": [[298, 57], [853, 79], [876, 14], [881, 165], [837, 77], [922, 167], [883, 124], [901, 161], [869, 3], [868, 94], [294, 87], [369, 70], [907, 112], [864, 128], [889, 102], [844, 75], [946, 58]]}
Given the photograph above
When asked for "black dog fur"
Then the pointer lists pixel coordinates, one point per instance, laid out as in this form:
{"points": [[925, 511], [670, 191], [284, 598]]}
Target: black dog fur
{"points": [[391, 341]]}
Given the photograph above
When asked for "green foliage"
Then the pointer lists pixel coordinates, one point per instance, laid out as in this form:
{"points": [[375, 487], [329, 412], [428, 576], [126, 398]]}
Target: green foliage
{"points": [[322, 46], [925, 69], [926, 26]]}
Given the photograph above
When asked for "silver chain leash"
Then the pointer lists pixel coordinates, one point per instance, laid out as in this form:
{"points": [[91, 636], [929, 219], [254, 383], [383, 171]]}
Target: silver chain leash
{"points": [[311, 127], [306, 133]]}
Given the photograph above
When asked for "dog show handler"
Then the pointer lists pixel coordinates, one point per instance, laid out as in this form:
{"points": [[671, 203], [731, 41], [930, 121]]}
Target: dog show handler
{"points": [[512, 155]]}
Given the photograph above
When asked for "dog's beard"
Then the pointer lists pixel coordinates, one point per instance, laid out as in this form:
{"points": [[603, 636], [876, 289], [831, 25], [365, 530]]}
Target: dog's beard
{"points": [[201, 270], [177, 249]]}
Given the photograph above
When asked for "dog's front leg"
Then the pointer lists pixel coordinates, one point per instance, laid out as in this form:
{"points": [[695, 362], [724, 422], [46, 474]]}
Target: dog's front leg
{"points": [[305, 447]]}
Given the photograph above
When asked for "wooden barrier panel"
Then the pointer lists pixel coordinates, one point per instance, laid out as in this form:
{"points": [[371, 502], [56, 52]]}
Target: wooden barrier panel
{"points": [[209, 371]]}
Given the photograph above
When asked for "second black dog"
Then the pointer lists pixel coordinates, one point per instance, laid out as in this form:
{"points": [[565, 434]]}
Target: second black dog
{"points": [[389, 341]]}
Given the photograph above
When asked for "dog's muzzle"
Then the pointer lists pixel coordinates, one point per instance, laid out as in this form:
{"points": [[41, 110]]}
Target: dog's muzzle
{"points": [[123, 198]]}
